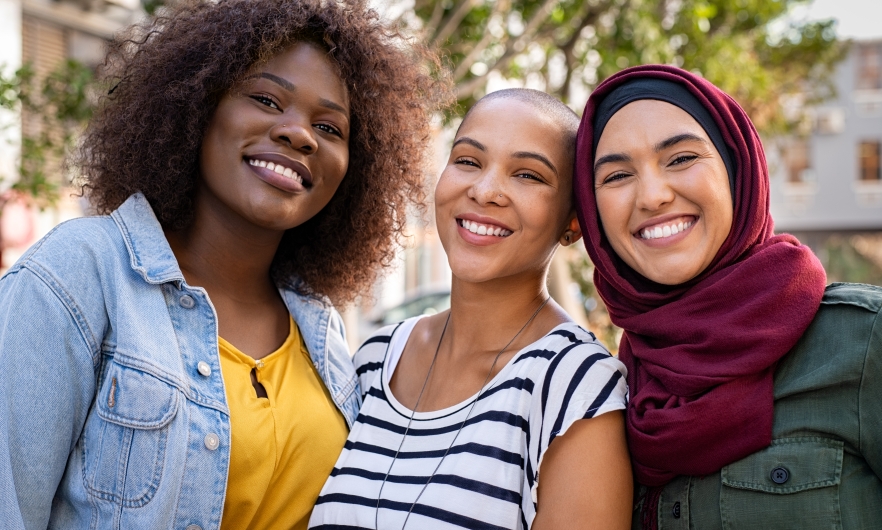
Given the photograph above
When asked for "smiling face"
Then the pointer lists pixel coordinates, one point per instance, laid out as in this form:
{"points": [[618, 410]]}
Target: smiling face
{"points": [[277, 147], [504, 201], [662, 191]]}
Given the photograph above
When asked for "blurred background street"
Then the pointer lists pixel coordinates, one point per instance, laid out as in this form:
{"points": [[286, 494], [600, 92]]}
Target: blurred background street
{"points": [[808, 73]]}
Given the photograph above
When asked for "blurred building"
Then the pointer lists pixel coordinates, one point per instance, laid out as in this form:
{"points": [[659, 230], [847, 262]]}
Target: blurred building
{"points": [[829, 181], [44, 33]]}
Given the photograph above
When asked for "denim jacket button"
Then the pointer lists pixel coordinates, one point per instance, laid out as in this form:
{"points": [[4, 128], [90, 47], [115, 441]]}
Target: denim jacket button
{"points": [[203, 368], [194, 527], [211, 441], [187, 301]]}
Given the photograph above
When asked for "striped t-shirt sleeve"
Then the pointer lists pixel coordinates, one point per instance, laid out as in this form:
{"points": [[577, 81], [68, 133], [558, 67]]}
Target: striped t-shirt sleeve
{"points": [[369, 358], [582, 381]]}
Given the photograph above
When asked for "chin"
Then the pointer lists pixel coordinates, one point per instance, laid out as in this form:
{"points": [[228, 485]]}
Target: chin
{"points": [[671, 275], [472, 272]]}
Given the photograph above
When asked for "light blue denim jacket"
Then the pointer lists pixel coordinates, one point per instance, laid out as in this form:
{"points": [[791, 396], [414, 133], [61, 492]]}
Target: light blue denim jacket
{"points": [[108, 418]]}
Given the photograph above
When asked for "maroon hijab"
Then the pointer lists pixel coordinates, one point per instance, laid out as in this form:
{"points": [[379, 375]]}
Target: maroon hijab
{"points": [[701, 356]]}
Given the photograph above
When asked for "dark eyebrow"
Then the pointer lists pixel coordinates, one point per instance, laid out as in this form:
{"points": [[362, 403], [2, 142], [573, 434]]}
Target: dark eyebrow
{"points": [[536, 156], [606, 159], [466, 140], [661, 146], [674, 140], [284, 83], [328, 104]]}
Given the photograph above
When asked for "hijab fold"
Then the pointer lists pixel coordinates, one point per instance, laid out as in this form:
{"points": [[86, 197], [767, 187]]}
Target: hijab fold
{"points": [[701, 355]]}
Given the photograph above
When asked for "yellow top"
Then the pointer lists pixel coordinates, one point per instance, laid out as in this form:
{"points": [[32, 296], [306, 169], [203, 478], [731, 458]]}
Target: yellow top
{"points": [[284, 446]]}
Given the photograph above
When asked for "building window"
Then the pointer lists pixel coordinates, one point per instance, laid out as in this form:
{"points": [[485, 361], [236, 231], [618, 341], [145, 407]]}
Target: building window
{"points": [[797, 161], [869, 67], [871, 160]]}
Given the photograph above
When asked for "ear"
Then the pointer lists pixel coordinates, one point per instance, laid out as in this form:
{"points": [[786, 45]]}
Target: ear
{"points": [[573, 231]]}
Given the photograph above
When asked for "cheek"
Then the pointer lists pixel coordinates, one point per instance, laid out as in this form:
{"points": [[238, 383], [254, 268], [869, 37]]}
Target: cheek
{"points": [[341, 164], [446, 189], [613, 211]]}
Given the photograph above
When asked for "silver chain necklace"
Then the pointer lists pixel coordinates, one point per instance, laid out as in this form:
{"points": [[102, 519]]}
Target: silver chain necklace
{"points": [[461, 425]]}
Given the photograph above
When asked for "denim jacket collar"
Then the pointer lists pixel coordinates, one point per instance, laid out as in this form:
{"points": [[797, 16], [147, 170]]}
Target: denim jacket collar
{"points": [[151, 256]]}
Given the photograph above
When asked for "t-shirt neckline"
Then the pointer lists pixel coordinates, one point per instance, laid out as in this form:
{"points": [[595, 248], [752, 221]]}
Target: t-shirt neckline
{"points": [[396, 347]]}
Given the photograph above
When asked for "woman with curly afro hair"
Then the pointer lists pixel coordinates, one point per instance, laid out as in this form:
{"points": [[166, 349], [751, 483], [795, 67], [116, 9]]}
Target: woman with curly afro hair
{"points": [[176, 362]]}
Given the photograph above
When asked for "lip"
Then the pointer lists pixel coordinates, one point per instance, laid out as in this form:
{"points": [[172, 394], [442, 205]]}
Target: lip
{"points": [[484, 220], [477, 239], [278, 181]]}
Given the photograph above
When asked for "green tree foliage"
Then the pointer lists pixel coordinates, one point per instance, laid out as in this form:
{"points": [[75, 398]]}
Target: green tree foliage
{"points": [[57, 107], [747, 47]]}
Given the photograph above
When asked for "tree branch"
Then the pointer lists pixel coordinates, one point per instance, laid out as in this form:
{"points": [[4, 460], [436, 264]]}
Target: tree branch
{"points": [[588, 18], [466, 63], [433, 22], [455, 16], [513, 48]]}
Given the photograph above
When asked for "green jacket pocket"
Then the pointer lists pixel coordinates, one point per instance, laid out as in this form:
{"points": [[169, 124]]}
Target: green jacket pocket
{"points": [[790, 484]]}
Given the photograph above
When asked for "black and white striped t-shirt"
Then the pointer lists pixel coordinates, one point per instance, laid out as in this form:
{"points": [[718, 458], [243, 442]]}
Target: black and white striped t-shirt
{"points": [[489, 478]]}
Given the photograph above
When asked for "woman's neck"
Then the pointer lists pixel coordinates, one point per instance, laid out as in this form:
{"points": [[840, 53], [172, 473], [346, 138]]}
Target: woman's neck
{"points": [[219, 253], [485, 316]]}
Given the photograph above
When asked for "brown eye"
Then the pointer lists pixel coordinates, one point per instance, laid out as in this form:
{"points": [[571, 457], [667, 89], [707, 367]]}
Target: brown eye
{"points": [[682, 159], [329, 129], [615, 177], [263, 100]]}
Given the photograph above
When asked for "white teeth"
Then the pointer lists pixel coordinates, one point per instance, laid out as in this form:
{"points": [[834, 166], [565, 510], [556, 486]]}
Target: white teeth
{"points": [[665, 231], [278, 168], [484, 230]]}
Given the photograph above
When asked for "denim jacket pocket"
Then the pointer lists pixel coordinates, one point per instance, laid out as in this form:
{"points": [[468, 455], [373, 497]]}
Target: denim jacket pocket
{"points": [[793, 483], [125, 437]]}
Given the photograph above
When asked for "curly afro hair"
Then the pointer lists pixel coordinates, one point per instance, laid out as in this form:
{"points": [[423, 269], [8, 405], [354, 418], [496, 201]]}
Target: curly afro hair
{"points": [[170, 73]]}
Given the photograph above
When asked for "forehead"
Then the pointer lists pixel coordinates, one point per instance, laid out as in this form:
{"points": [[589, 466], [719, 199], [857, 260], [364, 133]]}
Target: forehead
{"points": [[515, 125], [646, 122], [304, 62]]}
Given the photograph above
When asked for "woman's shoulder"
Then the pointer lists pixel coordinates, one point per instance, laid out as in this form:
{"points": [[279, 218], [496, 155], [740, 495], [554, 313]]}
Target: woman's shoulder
{"points": [[567, 357], [861, 295], [841, 348], [75, 246], [847, 306], [567, 343], [370, 355]]}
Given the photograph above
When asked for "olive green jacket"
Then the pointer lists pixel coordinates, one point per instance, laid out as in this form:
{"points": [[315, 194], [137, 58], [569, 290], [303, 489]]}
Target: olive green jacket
{"points": [[824, 467]]}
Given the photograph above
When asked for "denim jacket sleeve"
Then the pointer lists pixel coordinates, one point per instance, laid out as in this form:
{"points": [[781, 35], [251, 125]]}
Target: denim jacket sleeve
{"points": [[47, 381]]}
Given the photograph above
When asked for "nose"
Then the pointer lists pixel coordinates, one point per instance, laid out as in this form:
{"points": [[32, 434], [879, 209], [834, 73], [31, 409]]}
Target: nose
{"points": [[292, 132], [653, 190], [487, 188]]}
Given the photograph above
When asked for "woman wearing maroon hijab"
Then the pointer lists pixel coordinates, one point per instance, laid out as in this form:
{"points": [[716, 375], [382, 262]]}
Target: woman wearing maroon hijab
{"points": [[755, 391]]}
